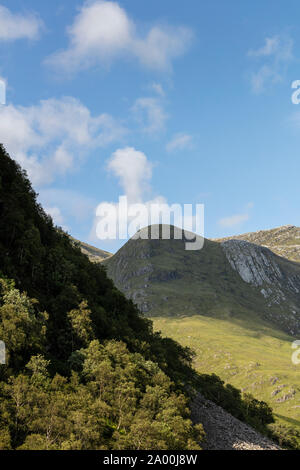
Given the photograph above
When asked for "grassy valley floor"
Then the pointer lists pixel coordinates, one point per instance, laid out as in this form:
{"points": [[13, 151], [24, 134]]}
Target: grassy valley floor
{"points": [[255, 359]]}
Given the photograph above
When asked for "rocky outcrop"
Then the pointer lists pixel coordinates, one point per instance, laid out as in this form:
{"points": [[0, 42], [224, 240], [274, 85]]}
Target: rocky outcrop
{"points": [[255, 265], [259, 266], [283, 241], [94, 254], [277, 280], [232, 278], [223, 431]]}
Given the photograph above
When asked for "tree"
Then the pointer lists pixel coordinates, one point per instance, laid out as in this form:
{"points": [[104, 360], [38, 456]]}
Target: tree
{"points": [[22, 326], [82, 325]]}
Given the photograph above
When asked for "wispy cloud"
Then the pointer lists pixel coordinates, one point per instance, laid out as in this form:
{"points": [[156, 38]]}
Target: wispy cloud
{"points": [[233, 220], [52, 137], [15, 26], [158, 88], [103, 32], [236, 219], [57, 217], [2, 91], [274, 56], [179, 142], [150, 113]]}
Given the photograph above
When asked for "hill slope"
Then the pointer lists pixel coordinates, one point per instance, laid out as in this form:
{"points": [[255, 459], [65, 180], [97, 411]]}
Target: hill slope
{"points": [[95, 255], [89, 372], [228, 280], [283, 241], [246, 354], [83, 369], [232, 302], [224, 432]]}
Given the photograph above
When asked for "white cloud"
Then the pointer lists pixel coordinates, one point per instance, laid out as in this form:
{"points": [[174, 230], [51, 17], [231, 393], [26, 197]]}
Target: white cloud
{"points": [[179, 142], [270, 47], [278, 46], [52, 137], [102, 32], [133, 170], [264, 75], [2, 91], [237, 219], [158, 88], [276, 53], [233, 220], [17, 26], [151, 115], [161, 45], [56, 215]]}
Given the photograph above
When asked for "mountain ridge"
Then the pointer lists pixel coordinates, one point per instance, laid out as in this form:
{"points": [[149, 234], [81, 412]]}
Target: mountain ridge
{"points": [[231, 278], [283, 241], [96, 255]]}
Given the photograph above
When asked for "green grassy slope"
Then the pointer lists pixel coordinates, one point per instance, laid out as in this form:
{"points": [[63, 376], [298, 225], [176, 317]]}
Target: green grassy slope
{"points": [[164, 279], [199, 300], [249, 355]]}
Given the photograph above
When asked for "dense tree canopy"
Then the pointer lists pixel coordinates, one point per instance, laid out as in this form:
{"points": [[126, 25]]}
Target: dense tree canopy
{"points": [[84, 370], [49, 267]]}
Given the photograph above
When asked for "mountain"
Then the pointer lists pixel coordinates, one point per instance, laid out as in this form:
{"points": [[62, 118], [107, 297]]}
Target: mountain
{"points": [[83, 369], [234, 303], [232, 279], [283, 241], [94, 254]]}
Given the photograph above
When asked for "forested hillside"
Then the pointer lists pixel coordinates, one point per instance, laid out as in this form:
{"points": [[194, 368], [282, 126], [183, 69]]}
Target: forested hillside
{"points": [[83, 369]]}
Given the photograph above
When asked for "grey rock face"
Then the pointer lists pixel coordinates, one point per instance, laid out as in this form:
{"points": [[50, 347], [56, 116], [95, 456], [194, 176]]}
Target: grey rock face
{"points": [[275, 278], [283, 241], [252, 262], [258, 266], [223, 431]]}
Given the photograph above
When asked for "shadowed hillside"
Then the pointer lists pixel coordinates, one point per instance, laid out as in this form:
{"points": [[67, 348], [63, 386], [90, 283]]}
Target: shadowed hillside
{"points": [[230, 280], [83, 369]]}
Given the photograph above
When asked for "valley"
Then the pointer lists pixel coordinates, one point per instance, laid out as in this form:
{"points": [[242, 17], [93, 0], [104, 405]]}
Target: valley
{"points": [[235, 303], [252, 357]]}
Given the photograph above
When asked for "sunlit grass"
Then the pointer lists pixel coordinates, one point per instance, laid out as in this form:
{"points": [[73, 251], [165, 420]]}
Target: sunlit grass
{"points": [[255, 358]]}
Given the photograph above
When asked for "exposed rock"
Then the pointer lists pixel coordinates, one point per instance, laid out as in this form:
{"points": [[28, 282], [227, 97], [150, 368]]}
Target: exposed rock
{"points": [[223, 431], [257, 265], [277, 281], [227, 279], [283, 241], [277, 390], [286, 397]]}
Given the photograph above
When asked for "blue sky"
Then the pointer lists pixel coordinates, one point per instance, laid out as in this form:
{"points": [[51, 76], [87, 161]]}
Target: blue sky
{"points": [[186, 102]]}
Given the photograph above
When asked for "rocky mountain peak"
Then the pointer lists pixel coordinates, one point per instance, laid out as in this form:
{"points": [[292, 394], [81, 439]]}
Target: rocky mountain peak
{"points": [[283, 241]]}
